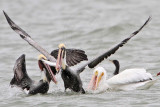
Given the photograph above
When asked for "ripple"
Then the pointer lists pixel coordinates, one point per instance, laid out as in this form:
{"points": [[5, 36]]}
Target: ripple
{"points": [[93, 26]]}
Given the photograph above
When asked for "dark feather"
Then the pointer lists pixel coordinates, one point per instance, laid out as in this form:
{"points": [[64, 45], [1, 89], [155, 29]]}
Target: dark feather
{"points": [[28, 38], [100, 58], [73, 56], [21, 77], [114, 49], [15, 27], [54, 53]]}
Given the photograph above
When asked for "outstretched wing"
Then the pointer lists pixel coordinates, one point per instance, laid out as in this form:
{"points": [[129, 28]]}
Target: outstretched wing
{"points": [[100, 58], [73, 56], [28, 38]]}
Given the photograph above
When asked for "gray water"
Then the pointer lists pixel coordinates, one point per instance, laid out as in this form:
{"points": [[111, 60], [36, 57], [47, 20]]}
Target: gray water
{"points": [[92, 25]]}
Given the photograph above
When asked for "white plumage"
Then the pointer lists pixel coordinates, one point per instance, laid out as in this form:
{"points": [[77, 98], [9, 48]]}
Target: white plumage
{"points": [[129, 79]]}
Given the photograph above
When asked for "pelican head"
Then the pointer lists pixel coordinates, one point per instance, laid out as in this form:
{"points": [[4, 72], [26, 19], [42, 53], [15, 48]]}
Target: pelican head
{"points": [[61, 57], [47, 73], [99, 76]]}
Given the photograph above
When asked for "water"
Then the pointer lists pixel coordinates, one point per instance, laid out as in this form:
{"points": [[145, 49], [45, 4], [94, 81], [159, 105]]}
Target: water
{"points": [[91, 25]]}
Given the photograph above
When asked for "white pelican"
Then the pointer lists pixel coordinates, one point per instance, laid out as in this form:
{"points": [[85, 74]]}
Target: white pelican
{"points": [[129, 79]]}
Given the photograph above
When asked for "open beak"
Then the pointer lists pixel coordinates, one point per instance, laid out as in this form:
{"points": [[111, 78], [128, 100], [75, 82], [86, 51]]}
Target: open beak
{"points": [[94, 83], [98, 80], [59, 60], [53, 78]]}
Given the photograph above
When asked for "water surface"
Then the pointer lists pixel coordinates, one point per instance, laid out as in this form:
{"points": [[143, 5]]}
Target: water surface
{"points": [[91, 25]]}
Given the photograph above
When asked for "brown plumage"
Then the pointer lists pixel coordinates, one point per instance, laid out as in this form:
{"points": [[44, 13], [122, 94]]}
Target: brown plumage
{"points": [[73, 56]]}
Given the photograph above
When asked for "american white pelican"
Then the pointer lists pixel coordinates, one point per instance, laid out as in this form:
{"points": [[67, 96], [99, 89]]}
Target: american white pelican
{"points": [[129, 79]]}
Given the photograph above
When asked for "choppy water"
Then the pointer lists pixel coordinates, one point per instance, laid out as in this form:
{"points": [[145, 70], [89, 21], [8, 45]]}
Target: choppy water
{"points": [[91, 25]]}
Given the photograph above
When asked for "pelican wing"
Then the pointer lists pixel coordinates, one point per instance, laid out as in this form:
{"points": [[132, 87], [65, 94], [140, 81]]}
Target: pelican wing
{"points": [[73, 56], [21, 77], [28, 38], [130, 76], [92, 63]]}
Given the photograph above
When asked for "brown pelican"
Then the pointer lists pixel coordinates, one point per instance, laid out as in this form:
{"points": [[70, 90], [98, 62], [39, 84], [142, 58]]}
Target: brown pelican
{"points": [[22, 80], [129, 79], [70, 77]]}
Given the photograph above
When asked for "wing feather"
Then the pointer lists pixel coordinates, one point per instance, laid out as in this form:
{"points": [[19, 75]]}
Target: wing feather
{"points": [[54, 53], [21, 77], [73, 56], [76, 55], [92, 63], [28, 38]]}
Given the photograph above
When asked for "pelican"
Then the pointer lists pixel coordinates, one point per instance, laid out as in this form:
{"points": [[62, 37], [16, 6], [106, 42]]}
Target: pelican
{"points": [[117, 67], [129, 79], [71, 77], [22, 80], [73, 56]]}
